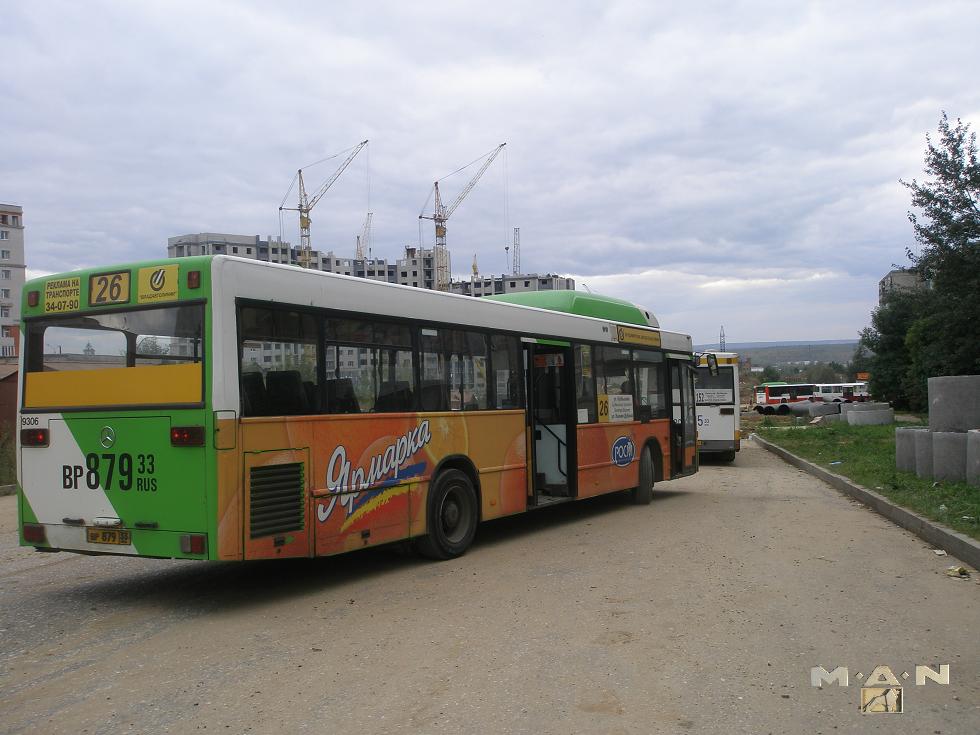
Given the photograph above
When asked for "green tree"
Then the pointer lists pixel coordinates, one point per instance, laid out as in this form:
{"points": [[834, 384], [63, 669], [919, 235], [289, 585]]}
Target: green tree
{"points": [[936, 330], [820, 373], [769, 374], [946, 339], [886, 338], [860, 361]]}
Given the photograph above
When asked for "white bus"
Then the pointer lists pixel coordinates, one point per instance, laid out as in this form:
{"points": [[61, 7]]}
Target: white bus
{"points": [[717, 401], [841, 392]]}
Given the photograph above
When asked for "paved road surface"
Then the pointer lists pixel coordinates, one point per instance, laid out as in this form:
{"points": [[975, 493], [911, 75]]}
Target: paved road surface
{"points": [[700, 613]]}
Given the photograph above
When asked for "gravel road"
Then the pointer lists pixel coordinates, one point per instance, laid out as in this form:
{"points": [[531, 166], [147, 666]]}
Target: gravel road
{"points": [[702, 612]]}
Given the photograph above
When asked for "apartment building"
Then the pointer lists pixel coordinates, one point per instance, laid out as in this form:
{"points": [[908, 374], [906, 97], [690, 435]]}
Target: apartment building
{"points": [[900, 279], [512, 283], [12, 274]]}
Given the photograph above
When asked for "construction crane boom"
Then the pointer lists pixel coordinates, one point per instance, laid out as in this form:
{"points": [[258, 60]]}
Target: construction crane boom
{"points": [[517, 251], [306, 203], [441, 213], [363, 240]]}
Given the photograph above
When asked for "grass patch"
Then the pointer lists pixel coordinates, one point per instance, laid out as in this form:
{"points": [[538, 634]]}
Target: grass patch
{"points": [[866, 454], [8, 458]]}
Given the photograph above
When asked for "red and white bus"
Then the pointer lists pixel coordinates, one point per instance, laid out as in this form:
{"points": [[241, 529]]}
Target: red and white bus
{"points": [[774, 397], [841, 392]]}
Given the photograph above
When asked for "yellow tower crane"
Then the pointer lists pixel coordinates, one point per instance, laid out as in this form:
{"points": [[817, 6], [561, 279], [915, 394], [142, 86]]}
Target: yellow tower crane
{"points": [[441, 213], [306, 203]]}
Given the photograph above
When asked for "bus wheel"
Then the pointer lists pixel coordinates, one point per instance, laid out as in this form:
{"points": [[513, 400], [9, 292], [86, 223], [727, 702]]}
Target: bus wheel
{"points": [[642, 494], [728, 456], [451, 517]]}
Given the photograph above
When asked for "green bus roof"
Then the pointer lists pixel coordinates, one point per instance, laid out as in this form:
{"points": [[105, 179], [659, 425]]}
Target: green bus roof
{"points": [[583, 304]]}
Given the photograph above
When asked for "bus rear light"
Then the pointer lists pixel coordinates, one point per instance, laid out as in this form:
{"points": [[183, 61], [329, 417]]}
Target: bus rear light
{"points": [[194, 543], [33, 298], [34, 437], [187, 436], [194, 279], [34, 533]]}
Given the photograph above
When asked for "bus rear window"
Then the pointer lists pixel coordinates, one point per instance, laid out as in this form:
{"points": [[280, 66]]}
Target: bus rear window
{"points": [[704, 380], [142, 357]]}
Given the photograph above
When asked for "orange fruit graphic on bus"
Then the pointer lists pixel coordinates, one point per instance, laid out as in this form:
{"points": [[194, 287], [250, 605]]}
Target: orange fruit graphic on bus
{"points": [[450, 435]]}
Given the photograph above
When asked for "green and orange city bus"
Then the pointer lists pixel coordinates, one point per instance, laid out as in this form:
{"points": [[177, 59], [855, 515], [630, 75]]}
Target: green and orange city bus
{"points": [[223, 408]]}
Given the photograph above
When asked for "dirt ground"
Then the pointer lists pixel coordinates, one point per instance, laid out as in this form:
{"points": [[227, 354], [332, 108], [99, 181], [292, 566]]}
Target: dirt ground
{"points": [[703, 612]]}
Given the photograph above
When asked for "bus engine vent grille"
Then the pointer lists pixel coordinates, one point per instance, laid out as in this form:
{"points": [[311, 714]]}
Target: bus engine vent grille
{"points": [[276, 495]]}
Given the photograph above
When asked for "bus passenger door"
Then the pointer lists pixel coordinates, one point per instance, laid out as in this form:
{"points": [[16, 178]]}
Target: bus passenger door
{"points": [[683, 425], [552, 423]]}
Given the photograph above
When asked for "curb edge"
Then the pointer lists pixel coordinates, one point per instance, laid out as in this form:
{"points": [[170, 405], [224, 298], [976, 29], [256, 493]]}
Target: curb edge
{"points": [[953, 542]]}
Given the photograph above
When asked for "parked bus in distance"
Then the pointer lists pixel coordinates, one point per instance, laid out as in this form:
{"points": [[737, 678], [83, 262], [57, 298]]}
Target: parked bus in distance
{"points": [[773, 398], [717, 400], [841, 392], [220, 408]]}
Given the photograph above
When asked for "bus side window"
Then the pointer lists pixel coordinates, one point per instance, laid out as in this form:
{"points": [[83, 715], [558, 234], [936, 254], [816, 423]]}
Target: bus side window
{"points": [[370, 367], [278, 371], [454, 370], [650, 381], [613, 371], [585, 399], [505, 361]]}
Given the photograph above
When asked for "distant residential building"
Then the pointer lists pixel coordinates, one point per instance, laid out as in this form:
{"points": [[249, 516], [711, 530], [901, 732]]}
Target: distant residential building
{"points": [[491, 285], [416, 267], [12, 273], [899, 280]]}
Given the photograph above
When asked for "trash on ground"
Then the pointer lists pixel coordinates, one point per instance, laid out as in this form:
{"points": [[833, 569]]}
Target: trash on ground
{"points": [[943, 508], [837, 461], [958, 572], [939, 552]]}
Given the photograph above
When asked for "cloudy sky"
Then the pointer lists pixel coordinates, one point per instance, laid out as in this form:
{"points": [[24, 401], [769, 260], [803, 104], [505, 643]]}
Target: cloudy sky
{"points": [[730, 163]]}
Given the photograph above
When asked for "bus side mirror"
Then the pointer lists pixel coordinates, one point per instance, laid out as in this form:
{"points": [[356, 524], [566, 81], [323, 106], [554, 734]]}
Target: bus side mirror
{"points": [[712, 363], [644, 414]]}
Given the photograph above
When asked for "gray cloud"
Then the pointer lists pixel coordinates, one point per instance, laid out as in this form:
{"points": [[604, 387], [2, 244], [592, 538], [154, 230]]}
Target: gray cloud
{"points": [[732, 163]]}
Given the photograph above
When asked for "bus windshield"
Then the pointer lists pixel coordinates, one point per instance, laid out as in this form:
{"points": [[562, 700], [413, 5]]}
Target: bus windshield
{"points": [[139, 357]]}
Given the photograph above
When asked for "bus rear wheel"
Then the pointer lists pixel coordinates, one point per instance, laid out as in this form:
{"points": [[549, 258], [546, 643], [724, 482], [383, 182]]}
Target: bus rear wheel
{"points": [[642, 494], [451, 517]]}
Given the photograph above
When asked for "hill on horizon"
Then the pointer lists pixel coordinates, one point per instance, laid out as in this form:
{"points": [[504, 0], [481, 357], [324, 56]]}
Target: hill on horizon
{"points": [[734, 346], [793, 352]]}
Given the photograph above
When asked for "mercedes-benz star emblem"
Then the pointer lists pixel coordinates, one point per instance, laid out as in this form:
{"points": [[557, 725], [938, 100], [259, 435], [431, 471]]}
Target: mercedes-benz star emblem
{"points": [[108, 437]]}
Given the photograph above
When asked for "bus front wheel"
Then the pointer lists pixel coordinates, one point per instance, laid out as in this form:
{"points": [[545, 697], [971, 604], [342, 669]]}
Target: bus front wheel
{"points": [[451, 517], [642, 494]]}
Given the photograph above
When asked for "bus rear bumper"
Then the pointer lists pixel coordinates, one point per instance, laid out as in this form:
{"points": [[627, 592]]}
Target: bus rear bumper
{"points": [[124, 542], [718, 446]]}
